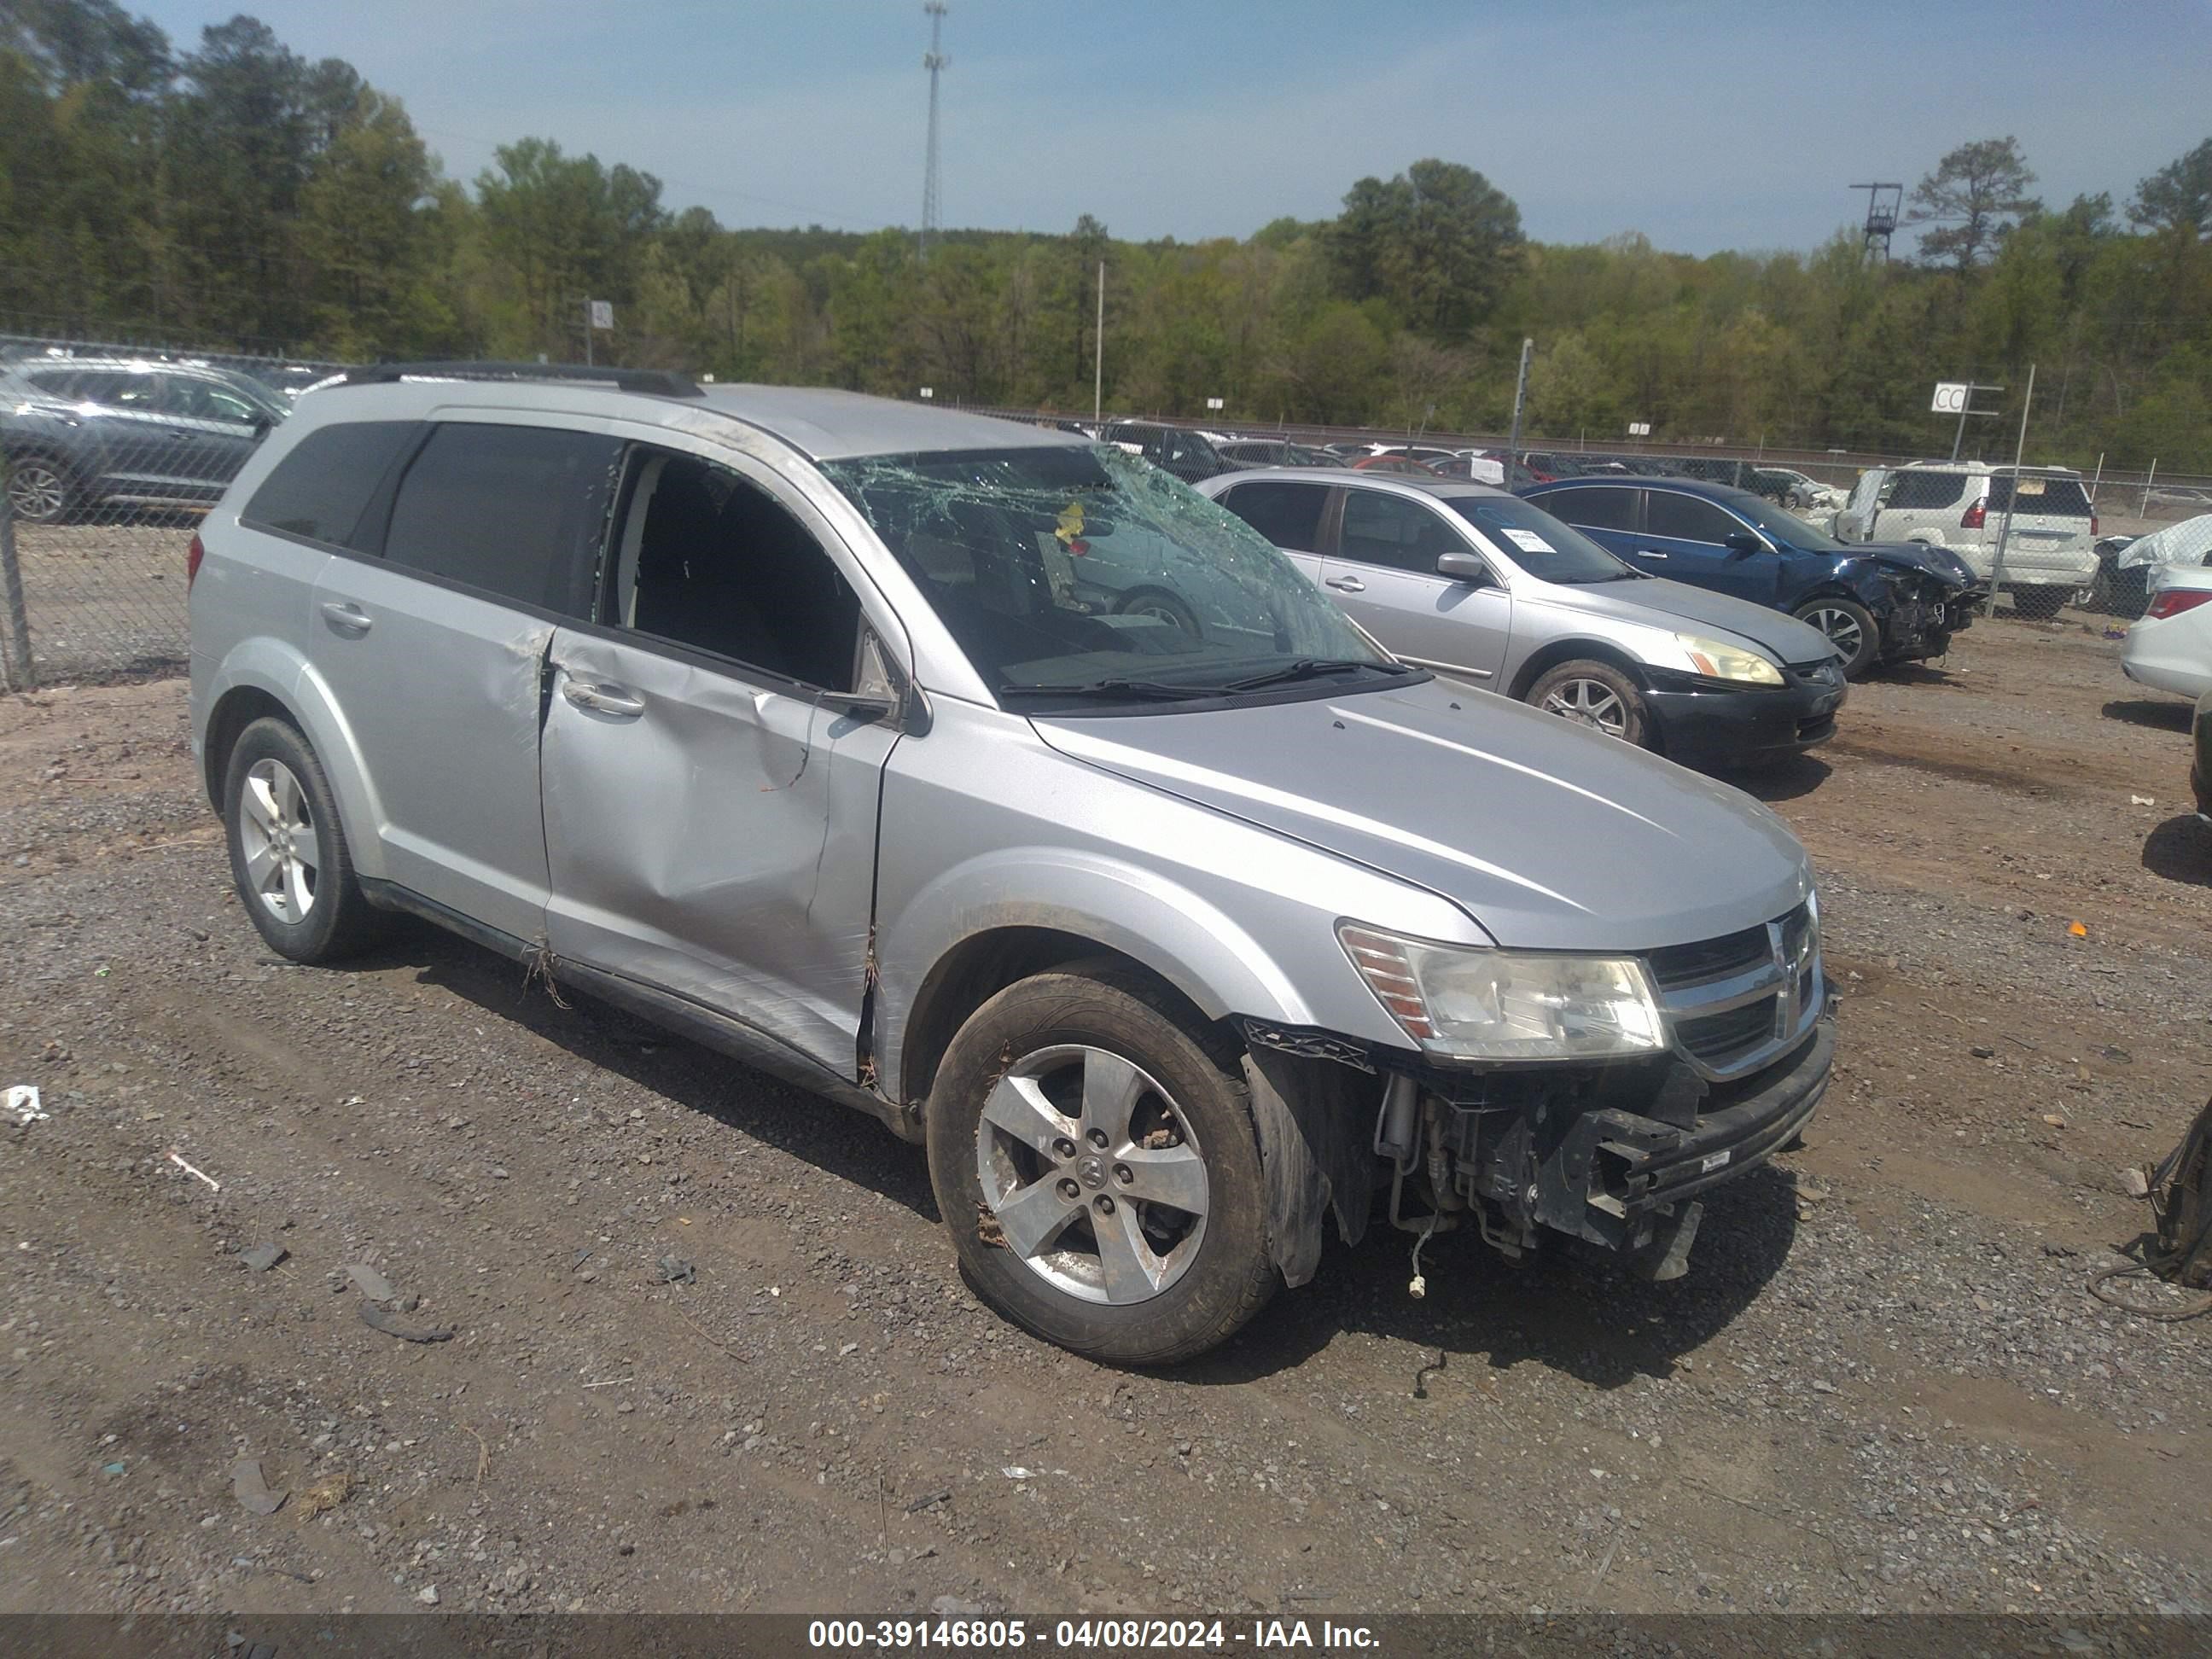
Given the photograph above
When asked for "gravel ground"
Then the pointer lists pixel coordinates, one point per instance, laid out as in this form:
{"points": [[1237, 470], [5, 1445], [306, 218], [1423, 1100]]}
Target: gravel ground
{"points": [[1882, 1386]]}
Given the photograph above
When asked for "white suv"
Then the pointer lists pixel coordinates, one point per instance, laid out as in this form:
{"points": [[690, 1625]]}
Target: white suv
{"points": [[2050, 551]]}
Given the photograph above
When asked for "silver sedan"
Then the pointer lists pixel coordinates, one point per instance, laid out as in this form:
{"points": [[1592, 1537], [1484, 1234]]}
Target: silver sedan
{"points": [[1477, 583]]}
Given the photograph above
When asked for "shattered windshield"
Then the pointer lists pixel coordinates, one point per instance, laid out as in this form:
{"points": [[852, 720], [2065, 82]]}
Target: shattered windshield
{"points": [[1084, 571]]}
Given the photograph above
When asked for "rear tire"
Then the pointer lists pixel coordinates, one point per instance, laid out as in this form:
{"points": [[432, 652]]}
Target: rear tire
{"points": [[1067, 1111], [1851, 628], [41, 490], [288, 851], [1596, 695], [2037, 604]]}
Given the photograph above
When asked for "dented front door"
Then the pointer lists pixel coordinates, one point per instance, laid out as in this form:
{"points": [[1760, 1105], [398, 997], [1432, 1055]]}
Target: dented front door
{"points": [[713, 837]]}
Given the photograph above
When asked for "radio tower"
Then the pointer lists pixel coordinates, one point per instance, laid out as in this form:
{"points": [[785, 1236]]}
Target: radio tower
{"points": [[1883, 202], [935, 61]]}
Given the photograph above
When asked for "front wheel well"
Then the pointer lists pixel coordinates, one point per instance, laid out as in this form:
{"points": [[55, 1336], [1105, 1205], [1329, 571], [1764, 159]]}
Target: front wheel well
{"points": [[978, 968], [237, 708], [1542, 662]]}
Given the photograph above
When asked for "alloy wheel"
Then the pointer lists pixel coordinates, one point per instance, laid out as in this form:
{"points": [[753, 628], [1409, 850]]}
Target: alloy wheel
{"points": [[1092, 1175], [36, 492], [276, 832], [1589, 703], [1842, 628]]}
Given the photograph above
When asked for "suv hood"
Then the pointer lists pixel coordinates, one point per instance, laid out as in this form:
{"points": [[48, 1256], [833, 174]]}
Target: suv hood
{"points": [[1782, 635], [1938, 562], [1550, 835]]}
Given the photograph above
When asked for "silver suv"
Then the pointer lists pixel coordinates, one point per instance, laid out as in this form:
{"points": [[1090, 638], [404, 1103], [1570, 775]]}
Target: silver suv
{"points": [[2050, 549], [789, 719]]}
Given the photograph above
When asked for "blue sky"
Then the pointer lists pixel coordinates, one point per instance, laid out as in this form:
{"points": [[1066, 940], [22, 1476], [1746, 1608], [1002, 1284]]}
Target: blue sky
{"points": [[1705, 126]]}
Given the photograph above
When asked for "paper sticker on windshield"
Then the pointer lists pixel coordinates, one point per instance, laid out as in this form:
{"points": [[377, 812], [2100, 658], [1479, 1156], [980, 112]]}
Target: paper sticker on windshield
{"points": [[1529, 541], [2028, 487]]}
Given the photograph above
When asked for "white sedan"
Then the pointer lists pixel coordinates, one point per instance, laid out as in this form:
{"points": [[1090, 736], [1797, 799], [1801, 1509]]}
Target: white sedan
{"points": [[2170, 648]]}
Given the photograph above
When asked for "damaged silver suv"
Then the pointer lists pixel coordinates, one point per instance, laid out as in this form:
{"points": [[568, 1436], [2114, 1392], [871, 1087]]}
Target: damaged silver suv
{"points": [[994, 782]]}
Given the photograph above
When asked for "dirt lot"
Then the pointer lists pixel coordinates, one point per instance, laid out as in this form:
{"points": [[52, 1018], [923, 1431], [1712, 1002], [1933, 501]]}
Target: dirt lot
{"points": [[1882, 1386]]}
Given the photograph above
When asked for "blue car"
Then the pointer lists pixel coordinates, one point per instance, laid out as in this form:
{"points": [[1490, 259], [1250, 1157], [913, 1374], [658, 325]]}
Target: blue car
{"points": [[1878, 603]]}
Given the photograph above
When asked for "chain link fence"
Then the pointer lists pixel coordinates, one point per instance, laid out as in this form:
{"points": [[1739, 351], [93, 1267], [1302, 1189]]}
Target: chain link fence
{"points": [[110, 451]]}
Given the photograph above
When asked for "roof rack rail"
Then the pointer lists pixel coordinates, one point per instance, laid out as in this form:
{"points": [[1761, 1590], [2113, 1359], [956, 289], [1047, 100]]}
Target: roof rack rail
{"points": [[661, 382]]}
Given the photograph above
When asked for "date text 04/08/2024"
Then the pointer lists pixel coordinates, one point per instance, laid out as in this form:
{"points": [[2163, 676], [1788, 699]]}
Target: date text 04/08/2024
{"points": [[1085, 1635]]}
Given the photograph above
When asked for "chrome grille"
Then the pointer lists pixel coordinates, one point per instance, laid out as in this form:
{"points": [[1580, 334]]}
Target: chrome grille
{"points": [[1736, 1003], [1680, 965]]}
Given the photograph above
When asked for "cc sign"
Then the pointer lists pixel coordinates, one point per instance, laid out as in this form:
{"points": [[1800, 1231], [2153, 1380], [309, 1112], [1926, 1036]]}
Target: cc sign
{"points": [[1951, 397]]}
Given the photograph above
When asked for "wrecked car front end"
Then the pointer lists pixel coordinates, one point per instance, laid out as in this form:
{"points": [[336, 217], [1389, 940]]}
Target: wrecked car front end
{"points": [[1613, 1155], [1921, 596], [1624, 1017]]}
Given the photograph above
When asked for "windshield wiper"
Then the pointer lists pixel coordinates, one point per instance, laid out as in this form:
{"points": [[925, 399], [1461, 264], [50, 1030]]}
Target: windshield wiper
{"points": [[1307, 668], [1159, 691]]}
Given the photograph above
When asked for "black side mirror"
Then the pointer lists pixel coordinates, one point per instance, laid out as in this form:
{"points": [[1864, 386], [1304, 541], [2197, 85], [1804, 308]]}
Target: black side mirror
{"points": [[1465, 567], [1742, 544]]}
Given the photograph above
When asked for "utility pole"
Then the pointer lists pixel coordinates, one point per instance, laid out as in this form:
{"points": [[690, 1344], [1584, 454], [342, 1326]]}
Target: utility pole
{"points": [[1520, 402], [936, 63], [2012, 497], [1098, 352]]}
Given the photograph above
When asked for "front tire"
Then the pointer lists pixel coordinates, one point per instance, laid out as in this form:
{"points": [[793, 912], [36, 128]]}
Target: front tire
{"points": [[1851, 628], [41, 490], [288, 851], [1092, 1147], [1596, 695]]}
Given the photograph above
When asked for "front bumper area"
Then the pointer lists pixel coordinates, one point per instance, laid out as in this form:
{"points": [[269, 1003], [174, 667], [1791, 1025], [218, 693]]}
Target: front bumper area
{"points": [[1701, 725], [1916, 626], [1615, 1160], [1617, 1170]]}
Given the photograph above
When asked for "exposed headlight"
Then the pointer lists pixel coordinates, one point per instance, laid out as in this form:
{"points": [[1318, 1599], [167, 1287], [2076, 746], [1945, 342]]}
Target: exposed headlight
{"points": [[1461, 1003], [1716, 661]]}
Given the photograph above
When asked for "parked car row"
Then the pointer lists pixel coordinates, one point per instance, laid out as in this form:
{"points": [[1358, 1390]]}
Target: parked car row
{"points": [[1878, 604], [2045, 522], [1487, 587]]}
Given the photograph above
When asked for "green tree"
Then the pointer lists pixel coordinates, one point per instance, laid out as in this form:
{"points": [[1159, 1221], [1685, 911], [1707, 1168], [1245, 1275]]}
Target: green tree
{"points": [[2179, 195], [564, 229], [1439, 242], [1973, 197]]}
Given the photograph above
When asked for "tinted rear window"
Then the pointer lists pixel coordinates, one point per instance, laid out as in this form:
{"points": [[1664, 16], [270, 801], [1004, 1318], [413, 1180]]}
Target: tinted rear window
{"points": [[514, 510], [2063, 498], [1287, 514], [320, 487], [1595, 507], [1926, 490]]}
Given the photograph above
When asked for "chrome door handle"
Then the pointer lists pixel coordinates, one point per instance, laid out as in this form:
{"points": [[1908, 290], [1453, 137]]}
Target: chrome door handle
{"points": [[1649, 553], [346, 617], [601, 698], [1345, 584]]}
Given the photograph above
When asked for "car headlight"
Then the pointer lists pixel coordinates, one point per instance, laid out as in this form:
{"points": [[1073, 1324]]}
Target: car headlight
{"points": [[1462, 1003], [1716, 661]]}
